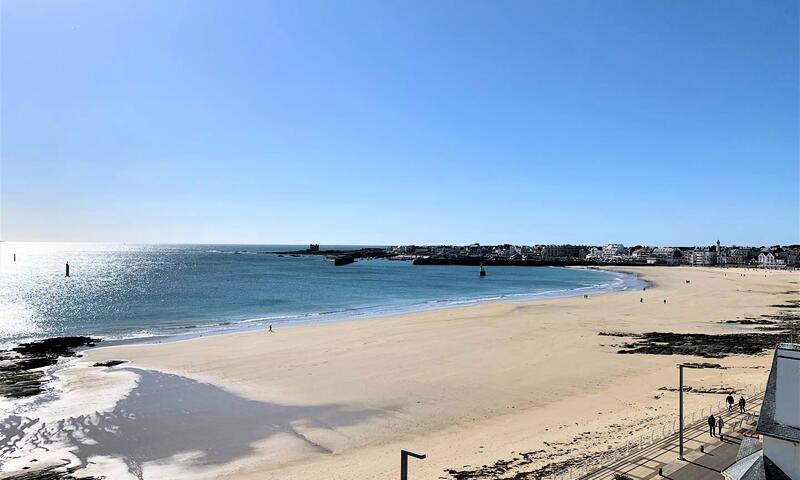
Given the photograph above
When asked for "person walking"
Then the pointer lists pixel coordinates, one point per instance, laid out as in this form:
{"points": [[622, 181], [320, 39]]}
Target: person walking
{"points": [[729, 401], [741, 404], [720, 424], [712, 422], [271, 330]]}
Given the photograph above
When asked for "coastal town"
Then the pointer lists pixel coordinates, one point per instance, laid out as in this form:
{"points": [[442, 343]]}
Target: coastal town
{"points": [[775, 256], [771, 257]]}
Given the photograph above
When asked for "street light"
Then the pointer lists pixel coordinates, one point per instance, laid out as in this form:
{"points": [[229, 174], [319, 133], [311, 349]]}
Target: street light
{"points": [[404, 454], [680, 407]]}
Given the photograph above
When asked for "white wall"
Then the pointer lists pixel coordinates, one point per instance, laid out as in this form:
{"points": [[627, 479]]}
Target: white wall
{"points": [[787, 391], [786, 455]]}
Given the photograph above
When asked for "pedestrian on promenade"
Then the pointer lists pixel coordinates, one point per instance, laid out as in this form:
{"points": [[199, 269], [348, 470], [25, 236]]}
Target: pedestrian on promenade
{"points": [[720, 424], [741, 404], [729, 401], [712, 422]]}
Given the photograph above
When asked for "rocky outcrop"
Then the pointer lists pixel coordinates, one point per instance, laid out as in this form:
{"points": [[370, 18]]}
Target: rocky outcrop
{"points": [[22, 367]]}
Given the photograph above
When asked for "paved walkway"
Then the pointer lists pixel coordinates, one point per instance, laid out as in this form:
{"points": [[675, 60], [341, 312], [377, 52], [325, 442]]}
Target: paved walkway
{"points": [[705, 466], [718, 455]]}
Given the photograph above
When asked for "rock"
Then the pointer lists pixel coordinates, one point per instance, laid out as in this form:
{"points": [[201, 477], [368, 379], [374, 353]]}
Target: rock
{"points": [[110, 363], [21, 368], [701, 345]]}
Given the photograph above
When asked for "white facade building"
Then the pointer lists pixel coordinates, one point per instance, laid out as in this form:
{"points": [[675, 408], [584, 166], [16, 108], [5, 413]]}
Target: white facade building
{"points": [[613, 252], [768, 259], [667, 255], [778, 424], [703, 257]]}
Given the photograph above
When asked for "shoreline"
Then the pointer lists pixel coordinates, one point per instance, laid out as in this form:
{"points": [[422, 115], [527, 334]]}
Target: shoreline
{"points": [[305, 320], [354, 314], [470, 385]]}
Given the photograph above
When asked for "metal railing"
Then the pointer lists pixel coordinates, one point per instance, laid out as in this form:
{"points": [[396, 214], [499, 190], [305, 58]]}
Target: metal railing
{"points": [[665, 430]]}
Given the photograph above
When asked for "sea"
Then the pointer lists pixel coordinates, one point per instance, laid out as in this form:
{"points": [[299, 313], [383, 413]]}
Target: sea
{"points": [[123, 293]]}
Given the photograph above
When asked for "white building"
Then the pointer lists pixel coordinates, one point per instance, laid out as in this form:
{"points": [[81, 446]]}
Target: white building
{"points": [[735, 256], [667, 255], [703, 256], [561, 251], [766, 259], [778, 424], [613, 250]]}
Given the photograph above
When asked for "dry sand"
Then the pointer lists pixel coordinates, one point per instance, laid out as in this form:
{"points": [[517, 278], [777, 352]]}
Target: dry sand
{"points": [[466, 386]]}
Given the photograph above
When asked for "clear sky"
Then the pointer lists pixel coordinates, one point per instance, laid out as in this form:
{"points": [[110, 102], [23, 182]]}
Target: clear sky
{"points": [[381, 122]]}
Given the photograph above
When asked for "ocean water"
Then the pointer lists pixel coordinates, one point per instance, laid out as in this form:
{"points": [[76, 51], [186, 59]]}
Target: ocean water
{"points": [[121, 292]]}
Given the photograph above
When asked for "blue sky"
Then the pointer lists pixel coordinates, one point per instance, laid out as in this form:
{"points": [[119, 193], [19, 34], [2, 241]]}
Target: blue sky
{"points": [[658, 122]]}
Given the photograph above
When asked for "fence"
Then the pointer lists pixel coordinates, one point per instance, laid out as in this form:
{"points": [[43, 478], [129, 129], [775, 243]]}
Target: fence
{"points": [[662, 432]]}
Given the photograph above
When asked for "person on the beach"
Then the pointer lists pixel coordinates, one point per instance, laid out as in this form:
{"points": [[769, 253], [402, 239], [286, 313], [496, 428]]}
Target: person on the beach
{"points": [[271, 330], [641, 300], [729, 400], [665, 300], [720, 424], [712, 422], [741, 404]]}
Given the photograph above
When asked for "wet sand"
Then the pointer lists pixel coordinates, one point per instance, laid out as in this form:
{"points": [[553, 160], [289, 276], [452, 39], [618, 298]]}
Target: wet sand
{"points": [[468, 386]]}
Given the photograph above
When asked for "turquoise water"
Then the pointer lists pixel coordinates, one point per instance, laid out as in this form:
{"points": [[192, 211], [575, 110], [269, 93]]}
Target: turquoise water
{"points": [[140, 291]]}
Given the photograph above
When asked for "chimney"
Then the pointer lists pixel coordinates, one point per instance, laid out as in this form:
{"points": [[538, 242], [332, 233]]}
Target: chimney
{"points": [[787, 390]]}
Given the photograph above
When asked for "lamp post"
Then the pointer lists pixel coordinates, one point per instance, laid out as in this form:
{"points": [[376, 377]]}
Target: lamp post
{"points": [[680, 407], [680, 411], [404, 454]]}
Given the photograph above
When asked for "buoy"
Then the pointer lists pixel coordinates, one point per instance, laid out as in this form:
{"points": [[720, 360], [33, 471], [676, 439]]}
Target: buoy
{"points": [[483, 272]]}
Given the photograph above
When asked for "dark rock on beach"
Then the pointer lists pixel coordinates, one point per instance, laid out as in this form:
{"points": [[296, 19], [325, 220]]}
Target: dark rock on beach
{"points": [[781, 321], [702, 345], [110, 363], [789, 304], [704, 365], [751, 321], [21, 368], [780, 324], [54, 347], [555, 458], [719, 390], [49, 473]]}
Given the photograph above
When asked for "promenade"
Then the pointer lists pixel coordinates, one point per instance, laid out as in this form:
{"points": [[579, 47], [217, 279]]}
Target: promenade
{"points": [[644, 464]]}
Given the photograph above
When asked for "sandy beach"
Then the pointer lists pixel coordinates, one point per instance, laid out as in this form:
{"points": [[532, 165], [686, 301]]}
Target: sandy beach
{"points": [[467, 386]]}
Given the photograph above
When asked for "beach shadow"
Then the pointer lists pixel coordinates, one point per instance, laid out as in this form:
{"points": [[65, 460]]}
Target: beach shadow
{"points": [[167, 415]]}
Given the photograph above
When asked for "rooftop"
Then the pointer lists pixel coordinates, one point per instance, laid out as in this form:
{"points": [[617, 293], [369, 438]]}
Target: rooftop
{"points": [[766, 421]]}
